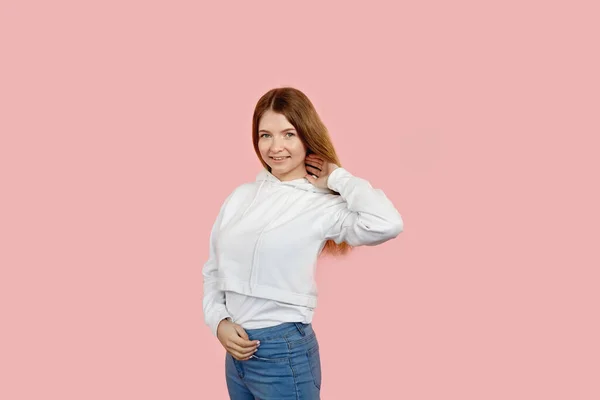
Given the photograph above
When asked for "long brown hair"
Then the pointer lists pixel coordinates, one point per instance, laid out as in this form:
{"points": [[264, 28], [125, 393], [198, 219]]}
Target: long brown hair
{"points": [[300, 112]]}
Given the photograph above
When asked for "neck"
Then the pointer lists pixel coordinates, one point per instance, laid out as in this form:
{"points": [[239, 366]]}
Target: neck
{"points": [[297, 173]]}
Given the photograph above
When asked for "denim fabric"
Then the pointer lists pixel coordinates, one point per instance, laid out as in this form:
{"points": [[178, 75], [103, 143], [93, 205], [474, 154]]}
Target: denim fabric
{"points": [[286, 365]]}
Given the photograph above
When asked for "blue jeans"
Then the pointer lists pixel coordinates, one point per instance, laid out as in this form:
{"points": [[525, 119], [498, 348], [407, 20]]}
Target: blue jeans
{"points": [[285, 366]]}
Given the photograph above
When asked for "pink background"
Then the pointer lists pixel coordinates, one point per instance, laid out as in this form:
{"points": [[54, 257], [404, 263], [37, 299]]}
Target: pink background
{"points": [[125, 124]]}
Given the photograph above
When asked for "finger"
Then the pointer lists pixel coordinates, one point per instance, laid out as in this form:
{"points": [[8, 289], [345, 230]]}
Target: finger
{"points": [[241, 332], [313, 171], [241, 339], [235, 348], [317, 160], [239, 357], [316, 167], [242, 354], [244, 342], [311, 178], [247, 354], [314, 160]]}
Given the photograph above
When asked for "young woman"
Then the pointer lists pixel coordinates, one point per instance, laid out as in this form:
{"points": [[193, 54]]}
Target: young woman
{"points": [[259, 281]]}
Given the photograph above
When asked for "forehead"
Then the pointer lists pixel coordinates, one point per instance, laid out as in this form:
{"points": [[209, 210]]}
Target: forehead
{"points": [[273, 121]]}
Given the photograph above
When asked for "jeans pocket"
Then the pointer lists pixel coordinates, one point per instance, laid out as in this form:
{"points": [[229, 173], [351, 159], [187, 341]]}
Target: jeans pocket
{"points": [[272, 352], [314, 362], [272, 360]]}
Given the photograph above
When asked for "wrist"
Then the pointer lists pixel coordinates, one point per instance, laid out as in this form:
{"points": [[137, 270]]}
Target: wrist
{"points": [[227, 319], [329, 182]]}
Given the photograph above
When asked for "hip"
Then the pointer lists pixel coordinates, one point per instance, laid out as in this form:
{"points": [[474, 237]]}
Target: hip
{"points": [[288, 355], [284, 342]]}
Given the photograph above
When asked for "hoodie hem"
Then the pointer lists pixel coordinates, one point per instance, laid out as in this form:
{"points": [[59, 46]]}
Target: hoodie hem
{"points": [[268, 292]]}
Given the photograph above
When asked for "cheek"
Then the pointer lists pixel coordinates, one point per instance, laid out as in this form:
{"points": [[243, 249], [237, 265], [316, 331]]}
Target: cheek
{"points": [[299, 150], [262, 148]]}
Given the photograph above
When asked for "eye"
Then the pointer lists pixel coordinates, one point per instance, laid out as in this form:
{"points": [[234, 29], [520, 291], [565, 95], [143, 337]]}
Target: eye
{"points": [[264, 135], [291, 134]]}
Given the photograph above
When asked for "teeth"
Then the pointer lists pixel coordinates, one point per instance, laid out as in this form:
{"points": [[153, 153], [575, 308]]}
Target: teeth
{"points": [[279, 158]]}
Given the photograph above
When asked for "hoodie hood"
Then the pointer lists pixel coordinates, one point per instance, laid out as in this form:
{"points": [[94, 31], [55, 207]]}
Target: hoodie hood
{"points": [[302, 183]]}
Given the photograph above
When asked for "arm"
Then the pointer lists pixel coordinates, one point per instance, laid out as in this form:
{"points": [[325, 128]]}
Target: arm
{"points": [[367, 217], [213, 302]]}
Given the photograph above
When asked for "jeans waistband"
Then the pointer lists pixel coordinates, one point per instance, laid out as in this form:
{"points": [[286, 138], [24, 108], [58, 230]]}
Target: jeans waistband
{"points": [[280, 330]]}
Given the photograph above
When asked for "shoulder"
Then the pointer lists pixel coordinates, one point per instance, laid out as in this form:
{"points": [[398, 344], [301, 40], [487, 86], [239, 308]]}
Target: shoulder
{"points": [[240, 192], [243, 188]]}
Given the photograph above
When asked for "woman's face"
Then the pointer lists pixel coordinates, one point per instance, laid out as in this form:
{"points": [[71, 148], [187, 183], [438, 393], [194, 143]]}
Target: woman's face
{"points": [[280, 147]]}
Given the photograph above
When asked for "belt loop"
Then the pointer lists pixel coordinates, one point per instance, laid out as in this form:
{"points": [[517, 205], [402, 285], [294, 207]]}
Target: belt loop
{"points": [[300, 328]]}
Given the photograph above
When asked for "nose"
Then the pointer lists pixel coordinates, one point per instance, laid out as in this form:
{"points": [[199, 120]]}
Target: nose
{"points": [[276, 145]]}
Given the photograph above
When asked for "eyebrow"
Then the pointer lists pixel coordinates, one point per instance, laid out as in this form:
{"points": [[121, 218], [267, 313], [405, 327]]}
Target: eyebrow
{"points": [[285, 130]]}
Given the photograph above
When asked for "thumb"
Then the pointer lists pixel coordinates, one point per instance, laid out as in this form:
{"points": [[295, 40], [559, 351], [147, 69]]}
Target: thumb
{"points": [[241, 332]]}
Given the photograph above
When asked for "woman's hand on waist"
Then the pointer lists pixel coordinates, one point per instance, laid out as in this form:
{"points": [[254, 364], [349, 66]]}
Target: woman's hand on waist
{"points": [[235, 340]]}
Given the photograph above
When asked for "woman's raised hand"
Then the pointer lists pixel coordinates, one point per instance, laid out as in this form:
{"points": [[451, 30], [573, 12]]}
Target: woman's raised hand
{"points": [[235, 340], [318, 170]]}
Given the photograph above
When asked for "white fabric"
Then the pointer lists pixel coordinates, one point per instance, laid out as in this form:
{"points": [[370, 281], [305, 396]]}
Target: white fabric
{"points": [[266, 239]]}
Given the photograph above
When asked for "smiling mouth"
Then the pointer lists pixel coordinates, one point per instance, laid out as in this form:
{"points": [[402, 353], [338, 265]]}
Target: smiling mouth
{"points": [[279, 158]]}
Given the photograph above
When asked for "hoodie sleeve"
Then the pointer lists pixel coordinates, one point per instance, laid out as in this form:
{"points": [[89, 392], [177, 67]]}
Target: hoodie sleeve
{"points": [[367, 217], [213, 302]]}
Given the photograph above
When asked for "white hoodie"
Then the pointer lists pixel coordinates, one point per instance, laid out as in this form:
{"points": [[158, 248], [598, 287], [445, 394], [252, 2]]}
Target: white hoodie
{"points": [[269, 233]]}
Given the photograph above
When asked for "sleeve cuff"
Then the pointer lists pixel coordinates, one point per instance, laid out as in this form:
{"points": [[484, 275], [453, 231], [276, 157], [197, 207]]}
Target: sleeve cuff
{"points": [[222, 316], [334, 181]]}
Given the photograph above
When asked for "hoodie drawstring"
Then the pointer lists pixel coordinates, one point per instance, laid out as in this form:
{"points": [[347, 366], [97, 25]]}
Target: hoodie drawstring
{"points": [[255, 196], [255, 257]]}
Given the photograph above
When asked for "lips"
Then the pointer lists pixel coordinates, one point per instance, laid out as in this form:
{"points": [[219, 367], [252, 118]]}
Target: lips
{"points": [[279, 158]]}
